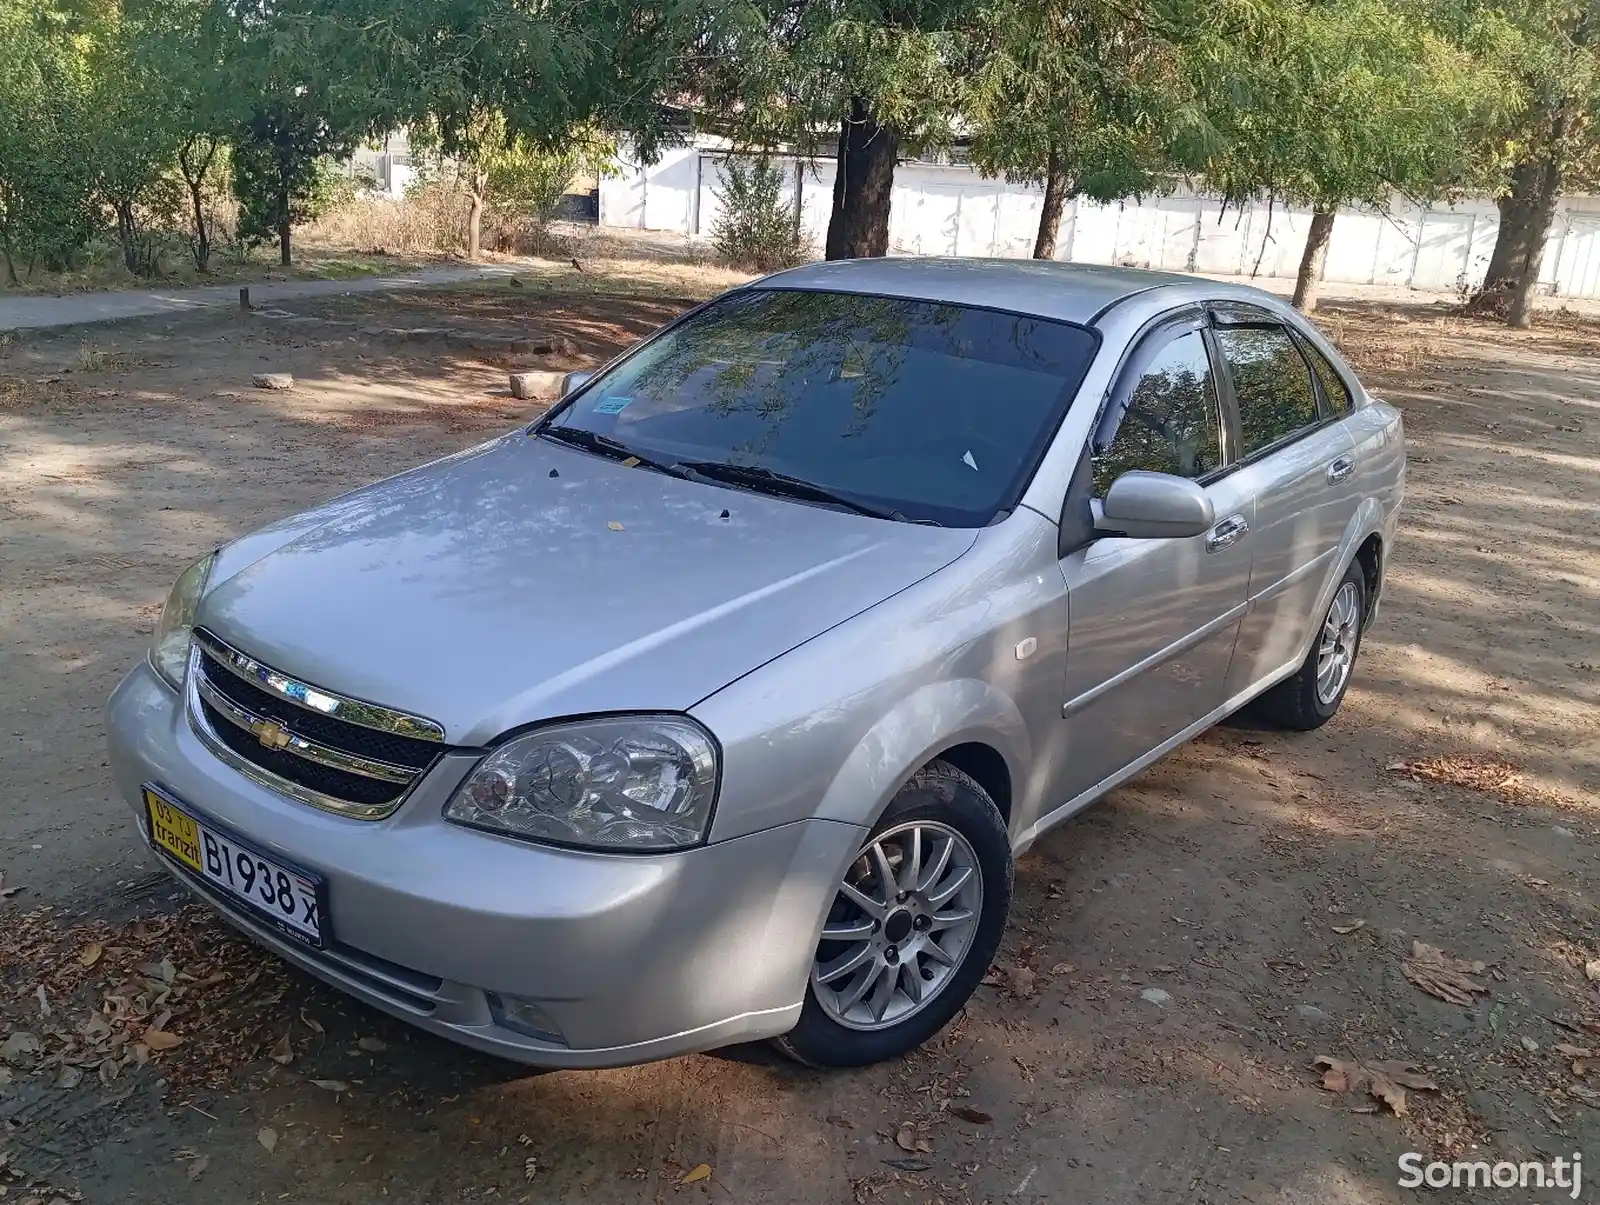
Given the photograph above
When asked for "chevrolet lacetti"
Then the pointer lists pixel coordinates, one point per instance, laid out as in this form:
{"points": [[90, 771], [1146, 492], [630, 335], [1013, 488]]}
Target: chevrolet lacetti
{"points": [[716, 704]]}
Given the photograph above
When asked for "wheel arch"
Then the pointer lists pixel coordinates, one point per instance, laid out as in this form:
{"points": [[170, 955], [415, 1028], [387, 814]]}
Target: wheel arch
{"points": [[965, 722]]}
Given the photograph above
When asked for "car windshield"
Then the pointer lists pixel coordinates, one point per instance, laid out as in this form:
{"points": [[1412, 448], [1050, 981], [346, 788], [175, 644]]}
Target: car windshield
{"points": [[930, 412]]}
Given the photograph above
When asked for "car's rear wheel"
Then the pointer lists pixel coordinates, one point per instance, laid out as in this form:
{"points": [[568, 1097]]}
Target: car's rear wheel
{"points": [[912, 927], [1310, 698]]}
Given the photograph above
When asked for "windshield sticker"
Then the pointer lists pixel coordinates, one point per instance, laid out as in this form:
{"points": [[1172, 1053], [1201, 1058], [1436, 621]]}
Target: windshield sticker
{"points": [[612, 405]]}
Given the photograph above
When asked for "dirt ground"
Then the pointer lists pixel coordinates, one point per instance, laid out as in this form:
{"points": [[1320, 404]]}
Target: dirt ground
{"points": [[1177, 957]]}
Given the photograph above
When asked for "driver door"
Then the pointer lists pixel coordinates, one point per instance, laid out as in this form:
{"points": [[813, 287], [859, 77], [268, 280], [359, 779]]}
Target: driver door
{"points": [[1152, 622]]}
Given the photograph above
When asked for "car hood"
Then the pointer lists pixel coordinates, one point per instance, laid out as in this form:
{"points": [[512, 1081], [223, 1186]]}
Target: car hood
{"points": [[523, 580]]}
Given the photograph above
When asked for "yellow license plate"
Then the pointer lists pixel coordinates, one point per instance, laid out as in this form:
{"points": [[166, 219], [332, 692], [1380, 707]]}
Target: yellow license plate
{"points": [[173, 831]]}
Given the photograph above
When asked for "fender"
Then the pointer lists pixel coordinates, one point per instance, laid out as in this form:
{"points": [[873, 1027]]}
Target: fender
{"points": [[1368, 520], [936, 717]]}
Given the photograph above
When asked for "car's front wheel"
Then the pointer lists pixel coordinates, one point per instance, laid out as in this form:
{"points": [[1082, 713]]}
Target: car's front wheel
{"points": [[913, 926]]}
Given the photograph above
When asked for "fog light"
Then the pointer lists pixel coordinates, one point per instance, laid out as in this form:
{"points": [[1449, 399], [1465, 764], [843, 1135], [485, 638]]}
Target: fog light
{"points": [[524, 1016]]}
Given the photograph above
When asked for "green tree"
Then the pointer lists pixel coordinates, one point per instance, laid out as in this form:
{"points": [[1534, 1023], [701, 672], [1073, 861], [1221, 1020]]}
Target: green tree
{"points": [[505, 88], [47, 207], [184, 44], [134, 134], [1545, 144], [1083, 99], [881, 73], [1341, 103]]}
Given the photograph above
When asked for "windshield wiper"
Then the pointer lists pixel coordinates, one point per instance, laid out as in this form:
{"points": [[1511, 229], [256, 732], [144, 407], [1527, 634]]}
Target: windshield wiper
{"points": [[615, 449], [772, 482]]}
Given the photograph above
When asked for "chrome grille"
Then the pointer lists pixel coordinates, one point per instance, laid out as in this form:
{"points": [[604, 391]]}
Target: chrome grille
{"points": [[340, 754]]}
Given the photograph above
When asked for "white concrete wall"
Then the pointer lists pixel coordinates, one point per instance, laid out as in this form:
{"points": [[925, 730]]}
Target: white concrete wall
{"points": [[954, 211]]}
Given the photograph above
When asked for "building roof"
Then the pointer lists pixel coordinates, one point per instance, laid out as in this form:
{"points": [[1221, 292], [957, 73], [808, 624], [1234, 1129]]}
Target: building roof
{"points": [[1048, 288]]}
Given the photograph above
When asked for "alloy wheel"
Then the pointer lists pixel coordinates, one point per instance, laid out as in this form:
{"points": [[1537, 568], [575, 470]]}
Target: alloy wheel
{"points": [[901, 924], [1336, 654]]}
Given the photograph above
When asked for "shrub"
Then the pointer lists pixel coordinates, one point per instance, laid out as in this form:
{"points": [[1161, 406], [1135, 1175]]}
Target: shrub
{"points": [[758, 229]]}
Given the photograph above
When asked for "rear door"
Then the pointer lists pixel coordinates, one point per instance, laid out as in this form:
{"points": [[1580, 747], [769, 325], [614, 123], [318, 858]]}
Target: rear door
{"points": [[1152, 622], [1300, 462]]}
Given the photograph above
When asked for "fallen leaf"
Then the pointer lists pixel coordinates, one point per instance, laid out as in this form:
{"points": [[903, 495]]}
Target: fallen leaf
{"points": [[331, 1085], [159, 1040], [1592, 969], [699, 1172], [908, 1165], [530, 1168], [1574, 1052], [1062, 968], [90, 954], [19, 1044], [69, 1078], [615, 526], [372, 1045], [1385, 1082], [1386, 1091], [1022, 983], [1441, 975], [1588, 1096], [906, 1137], [311, 1022], [44, 1000], [197, 1167], [282, 1051], [267, 1137], [976, 1116], [1350, 928], [108, 1070]]}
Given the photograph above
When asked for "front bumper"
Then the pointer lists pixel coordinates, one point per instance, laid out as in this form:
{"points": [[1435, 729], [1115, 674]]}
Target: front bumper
{"points": [[632, 958]]}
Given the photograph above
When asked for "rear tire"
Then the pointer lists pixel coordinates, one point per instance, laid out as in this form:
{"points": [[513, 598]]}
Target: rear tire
{"points": [[1312, 696], [931, 888]]}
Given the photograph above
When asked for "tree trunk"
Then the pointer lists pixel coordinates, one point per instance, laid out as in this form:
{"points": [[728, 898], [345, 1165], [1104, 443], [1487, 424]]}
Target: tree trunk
{"points": [[128, 235], [285, 167], [477, 184], [1511, 241], [194, 176], [1312, 261], [202, 233], [1520, 314], [1055, 202], [862, 183]]}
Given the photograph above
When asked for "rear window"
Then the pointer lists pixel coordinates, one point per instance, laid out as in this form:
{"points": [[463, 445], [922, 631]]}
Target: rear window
{"points": [[1272, 384], [938, 411], [1333, 386]]}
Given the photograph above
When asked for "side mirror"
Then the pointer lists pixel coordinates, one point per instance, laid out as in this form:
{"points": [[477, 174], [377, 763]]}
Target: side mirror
{"points": [[1154, 506], [574, 381]]}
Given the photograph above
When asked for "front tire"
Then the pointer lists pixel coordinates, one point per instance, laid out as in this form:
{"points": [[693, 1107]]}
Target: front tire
{"points": [[912, 928], [1310, 698]]}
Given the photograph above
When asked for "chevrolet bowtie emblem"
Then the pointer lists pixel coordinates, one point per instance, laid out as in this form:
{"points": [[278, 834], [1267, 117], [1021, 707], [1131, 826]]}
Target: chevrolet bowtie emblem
{"points": [[271, 734]]}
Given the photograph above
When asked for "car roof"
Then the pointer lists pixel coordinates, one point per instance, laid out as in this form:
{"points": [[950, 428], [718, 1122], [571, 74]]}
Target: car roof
{"points": [[1077, 293]]}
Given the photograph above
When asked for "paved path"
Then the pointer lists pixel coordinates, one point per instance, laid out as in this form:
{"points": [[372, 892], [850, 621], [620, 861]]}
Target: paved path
{"points": [[18, 313]]}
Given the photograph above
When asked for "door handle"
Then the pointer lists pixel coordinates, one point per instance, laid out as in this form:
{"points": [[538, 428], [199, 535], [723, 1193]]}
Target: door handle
{"points": [[1227, 533], [1341, 468]]}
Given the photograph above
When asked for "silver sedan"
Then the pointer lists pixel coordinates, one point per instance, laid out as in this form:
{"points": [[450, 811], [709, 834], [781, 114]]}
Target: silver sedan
{"points": [[716, 704]]}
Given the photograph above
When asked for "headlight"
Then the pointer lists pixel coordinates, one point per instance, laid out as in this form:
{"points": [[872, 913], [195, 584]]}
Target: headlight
{"points": [[625, 783], [170, 652]]}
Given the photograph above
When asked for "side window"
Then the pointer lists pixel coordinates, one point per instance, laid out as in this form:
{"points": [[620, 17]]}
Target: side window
{"points": [[1172, 424], [1271, 381], [1333, 386]]}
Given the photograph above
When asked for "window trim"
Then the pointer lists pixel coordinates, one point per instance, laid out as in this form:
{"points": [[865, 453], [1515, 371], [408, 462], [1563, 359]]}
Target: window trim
{"points": [[1150, 340], [1267, 320]]}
